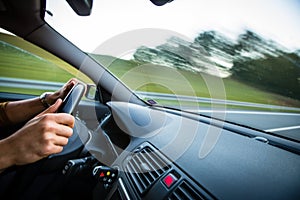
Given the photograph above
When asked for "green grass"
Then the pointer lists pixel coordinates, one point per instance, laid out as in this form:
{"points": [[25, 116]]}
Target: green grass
{"points": [[137, 76], [201, 85], [17, 62], [22, 91]]}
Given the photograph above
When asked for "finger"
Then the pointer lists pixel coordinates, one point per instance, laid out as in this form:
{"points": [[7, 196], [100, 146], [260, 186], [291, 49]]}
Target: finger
{"points": [[73, 81], [64, 119], [48, 150], [61, 141], [63, 130], [57, 149], [52, 109], [63, 92], [70, 84]]}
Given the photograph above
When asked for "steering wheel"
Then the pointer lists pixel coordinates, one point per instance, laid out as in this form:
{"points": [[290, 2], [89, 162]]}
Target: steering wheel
{"points": [[68, 105], [25, 175], [72, 99]]}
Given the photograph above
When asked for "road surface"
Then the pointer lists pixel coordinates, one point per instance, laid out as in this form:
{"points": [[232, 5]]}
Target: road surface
{"points": [[285, 124]]}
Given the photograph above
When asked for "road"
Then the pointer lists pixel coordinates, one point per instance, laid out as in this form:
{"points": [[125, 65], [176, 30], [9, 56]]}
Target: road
{"points": [[182, 98], [285, 124], [282, 123]]}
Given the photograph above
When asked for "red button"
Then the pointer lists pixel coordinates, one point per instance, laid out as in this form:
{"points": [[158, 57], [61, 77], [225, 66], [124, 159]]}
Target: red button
{"points": [[169, 180], [102, 174]]}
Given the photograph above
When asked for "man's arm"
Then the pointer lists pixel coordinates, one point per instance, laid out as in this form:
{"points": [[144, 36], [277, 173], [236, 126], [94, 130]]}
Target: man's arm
{"points": [[43, 135], [22, 111]]}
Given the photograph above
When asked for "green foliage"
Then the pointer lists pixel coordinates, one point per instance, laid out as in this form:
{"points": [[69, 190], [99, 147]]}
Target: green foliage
{"points": [[251, 59], [275, 74], [31, 62]]}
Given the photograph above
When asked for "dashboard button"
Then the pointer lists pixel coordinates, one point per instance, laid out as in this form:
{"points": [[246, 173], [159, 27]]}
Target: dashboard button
{"points": [[169, 180]]}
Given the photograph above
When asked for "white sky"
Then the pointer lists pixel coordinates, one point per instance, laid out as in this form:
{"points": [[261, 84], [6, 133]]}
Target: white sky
{"points": [[273, 19]]}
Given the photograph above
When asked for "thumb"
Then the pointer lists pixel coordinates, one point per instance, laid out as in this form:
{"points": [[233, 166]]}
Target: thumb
{"points": [[53, 108]]}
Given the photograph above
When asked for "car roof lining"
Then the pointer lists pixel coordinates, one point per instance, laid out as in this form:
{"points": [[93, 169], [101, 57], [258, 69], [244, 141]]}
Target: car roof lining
{"points": [[22, 17]]}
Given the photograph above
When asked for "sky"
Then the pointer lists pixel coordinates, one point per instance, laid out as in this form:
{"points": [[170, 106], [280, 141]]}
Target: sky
{"points": [[278, 20]]}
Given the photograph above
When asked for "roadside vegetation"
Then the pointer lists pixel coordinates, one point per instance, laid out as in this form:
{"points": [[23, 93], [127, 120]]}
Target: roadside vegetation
{"points": [[15, 63]]}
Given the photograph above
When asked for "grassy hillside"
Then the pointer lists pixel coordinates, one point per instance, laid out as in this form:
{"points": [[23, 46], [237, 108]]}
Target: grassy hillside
{"points": [[202, 84], [16, 63], [18, 56]]}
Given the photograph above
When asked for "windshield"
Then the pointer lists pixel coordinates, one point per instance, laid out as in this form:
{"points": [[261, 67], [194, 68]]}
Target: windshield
{"points": [[233, 60]]}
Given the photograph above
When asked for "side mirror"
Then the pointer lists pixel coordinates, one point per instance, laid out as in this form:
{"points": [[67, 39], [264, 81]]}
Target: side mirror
{"points": [[91, 91], [81, 7]]}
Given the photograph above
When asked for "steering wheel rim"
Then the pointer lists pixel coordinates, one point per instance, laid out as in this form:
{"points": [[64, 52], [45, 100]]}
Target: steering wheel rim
{"points": [[68, 106], [72, 99]]}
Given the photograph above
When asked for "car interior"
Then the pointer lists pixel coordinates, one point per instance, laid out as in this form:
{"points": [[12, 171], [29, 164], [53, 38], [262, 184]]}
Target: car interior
{"points": [[124, 147]]}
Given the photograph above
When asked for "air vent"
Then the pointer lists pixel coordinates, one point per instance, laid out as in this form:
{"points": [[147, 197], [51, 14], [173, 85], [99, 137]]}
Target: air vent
{"points": [[144, 168], [184, 192]]}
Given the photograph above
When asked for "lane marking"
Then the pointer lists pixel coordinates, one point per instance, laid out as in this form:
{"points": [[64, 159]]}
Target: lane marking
{"points": [[244, 112], [283, 129]]}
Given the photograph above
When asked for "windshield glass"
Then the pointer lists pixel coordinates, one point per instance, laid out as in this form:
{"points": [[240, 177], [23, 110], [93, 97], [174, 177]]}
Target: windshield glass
{"points": [[233, 60]]}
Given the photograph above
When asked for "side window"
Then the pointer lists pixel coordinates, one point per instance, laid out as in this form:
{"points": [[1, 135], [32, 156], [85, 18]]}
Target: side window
{"points": [[28, 69]]}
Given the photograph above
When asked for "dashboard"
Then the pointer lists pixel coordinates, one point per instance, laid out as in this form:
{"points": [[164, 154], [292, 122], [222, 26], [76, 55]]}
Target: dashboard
{"points": [[137, 151], [164, 159]]}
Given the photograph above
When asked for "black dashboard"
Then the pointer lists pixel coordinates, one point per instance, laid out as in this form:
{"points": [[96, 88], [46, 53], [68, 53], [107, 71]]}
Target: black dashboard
{"points": [[152, 152], [165, 157]]}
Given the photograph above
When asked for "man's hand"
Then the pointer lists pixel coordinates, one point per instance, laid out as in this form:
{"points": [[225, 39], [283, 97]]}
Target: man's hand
{"points": [[40, 137], [24, 110], [62, 92]]}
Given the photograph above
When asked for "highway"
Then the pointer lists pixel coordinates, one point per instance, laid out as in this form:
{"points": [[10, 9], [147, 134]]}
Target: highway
{"points": [[283, 123]]}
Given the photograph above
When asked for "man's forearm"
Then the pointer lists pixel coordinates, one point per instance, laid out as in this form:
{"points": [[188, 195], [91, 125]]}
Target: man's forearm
{"points": [[22, 111], [6, 159]]}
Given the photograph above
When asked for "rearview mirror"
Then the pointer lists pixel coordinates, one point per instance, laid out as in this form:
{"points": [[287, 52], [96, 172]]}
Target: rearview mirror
{"points": [[160, 2], [81, 7]]}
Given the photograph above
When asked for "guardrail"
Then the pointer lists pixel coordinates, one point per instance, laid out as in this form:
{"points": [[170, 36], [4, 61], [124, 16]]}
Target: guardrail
{"points": [[29, 84], [211, 101], [51, 86]]}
